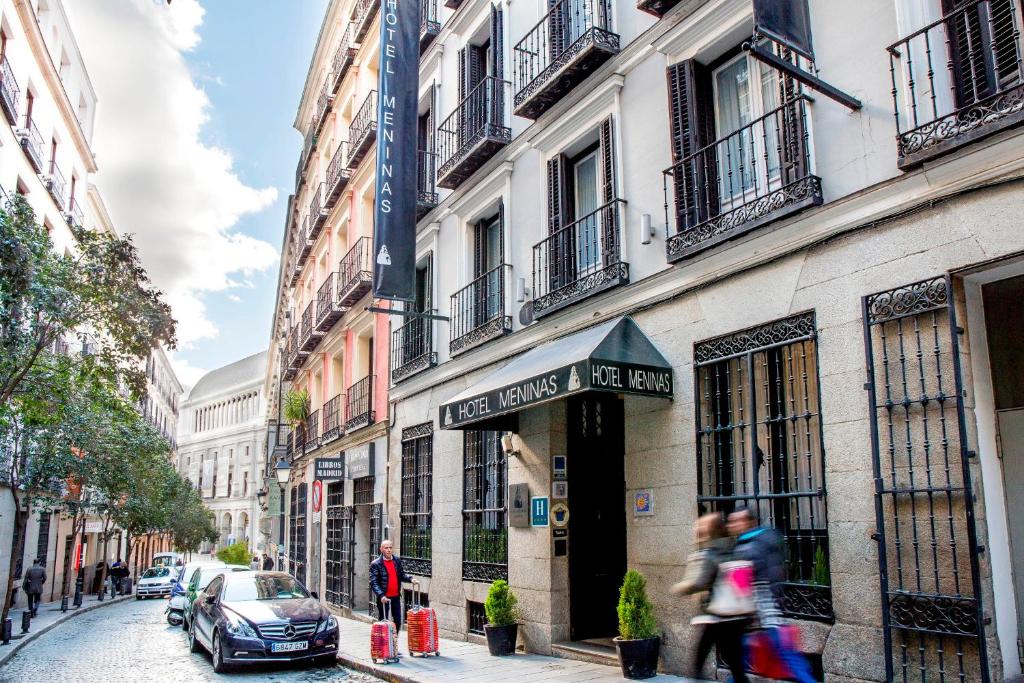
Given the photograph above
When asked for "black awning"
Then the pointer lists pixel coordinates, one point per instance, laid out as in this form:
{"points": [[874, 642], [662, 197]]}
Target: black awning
{"points": [[615, 356]]}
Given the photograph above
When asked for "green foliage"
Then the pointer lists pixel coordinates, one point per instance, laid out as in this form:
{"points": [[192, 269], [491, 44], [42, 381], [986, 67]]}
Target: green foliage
{"points": [[501, 605], [296, 406], [636, 613], [820, 567], [236, 553], [490, 546]]}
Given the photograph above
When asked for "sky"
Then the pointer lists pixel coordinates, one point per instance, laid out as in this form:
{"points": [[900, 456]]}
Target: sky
{"points": [[196, 152]]}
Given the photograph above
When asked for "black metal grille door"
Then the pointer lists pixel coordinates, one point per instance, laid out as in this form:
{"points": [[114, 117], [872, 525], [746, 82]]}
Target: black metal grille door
{"points": [[376, 537], [335, 508], [927, 541], [346, 547]]}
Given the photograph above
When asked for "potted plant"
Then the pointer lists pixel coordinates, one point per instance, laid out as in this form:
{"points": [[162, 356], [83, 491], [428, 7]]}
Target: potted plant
{"points": [[296, 410], [501, 628], [638, 643]]}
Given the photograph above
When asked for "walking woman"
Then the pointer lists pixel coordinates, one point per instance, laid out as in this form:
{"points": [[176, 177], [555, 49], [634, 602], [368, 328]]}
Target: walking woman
{"points": [[724, 618]]}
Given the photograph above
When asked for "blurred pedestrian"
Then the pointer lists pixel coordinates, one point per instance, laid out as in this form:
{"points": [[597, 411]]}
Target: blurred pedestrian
{"points": [[255, 563], [32, 584], [268, 563], [720, 627]]}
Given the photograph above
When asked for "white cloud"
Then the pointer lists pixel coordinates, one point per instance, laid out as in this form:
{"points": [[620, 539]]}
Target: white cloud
{"points": [[235, 298], [187, 373], [182, 198]]}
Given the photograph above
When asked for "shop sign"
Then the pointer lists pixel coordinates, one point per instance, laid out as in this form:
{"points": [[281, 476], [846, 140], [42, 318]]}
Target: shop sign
{"points": [[94, 527], [518, 512], [539, 511], [329, 469], [273, 499], [360, 461]]}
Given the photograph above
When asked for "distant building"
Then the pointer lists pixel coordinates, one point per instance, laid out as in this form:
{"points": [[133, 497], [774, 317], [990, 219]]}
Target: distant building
{"points": [[163, 394]]}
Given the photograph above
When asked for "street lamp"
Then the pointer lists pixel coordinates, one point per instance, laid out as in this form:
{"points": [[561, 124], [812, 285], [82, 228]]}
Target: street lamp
{"points": [[282, 470]]}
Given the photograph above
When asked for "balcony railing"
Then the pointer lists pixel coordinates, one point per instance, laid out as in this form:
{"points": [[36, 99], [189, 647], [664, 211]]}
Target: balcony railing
{"points": [[363, 131], [478, 311], [317, 213], [430, 26], [309, 336], [312, 431], [561, 50], [362, 17], [426, 183], [472, 133], [957, 80], [55, 185], [303, 243], [74, 215], [579, 260], [332, 419], [359, 404], [338, 174], [300, 172], [755, 175], [327, 309], [323, 102], [355, 273], [9, 91], [295, 356], [343, 57], [412, 349], [32, 143]]}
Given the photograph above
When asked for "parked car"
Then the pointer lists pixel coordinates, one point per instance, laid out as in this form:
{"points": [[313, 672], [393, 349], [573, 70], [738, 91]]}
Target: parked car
{"points": [[247, 617], [200, 580], [155, 582], [179, 591], [168, 559]]}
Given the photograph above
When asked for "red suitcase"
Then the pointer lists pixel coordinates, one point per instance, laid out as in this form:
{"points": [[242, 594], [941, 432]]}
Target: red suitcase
{"points": [[384, 639], [421, 627]]}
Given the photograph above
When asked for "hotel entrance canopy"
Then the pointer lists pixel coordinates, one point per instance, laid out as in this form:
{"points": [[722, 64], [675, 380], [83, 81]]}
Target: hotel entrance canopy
{"points": [[615, 356]]}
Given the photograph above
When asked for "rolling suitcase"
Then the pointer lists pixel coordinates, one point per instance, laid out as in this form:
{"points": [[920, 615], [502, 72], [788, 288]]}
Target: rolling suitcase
{"points": [[421, 627], [384, 639]]}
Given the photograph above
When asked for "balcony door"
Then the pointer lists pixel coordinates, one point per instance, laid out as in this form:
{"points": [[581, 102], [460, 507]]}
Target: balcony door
{"points": [[488, 256], [585, 204], [984, 50]]}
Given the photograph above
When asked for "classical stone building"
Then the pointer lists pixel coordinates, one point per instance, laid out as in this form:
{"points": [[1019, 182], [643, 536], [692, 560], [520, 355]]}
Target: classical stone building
{"points": [[221, 436]]}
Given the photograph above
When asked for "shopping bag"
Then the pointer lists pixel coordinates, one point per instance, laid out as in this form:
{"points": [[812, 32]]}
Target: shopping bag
{"points": [[763, 651], [732, 594]]}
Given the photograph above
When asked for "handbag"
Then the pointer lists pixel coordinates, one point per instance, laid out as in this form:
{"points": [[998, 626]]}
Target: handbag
{"points": [[732, 594]]}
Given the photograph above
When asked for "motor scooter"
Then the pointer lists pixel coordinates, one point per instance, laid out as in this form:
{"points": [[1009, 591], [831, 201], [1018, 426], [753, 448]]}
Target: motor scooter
{"points": [[175, 609]]}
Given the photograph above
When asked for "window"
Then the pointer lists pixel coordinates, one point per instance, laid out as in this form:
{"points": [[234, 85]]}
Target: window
{"points": [[484, 524], [477, 617], [339, 544], [362, 490], [488, 254], [759, 445], [417, 498], [297, 533]]}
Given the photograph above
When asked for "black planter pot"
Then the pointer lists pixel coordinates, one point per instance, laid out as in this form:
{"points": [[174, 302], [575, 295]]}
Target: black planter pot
{"points": [[638, 658], [501, 640]]}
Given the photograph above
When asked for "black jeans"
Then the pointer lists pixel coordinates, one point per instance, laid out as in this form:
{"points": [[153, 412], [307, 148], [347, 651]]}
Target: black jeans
{"points": [[727, 636], [396, 610], [33, 602]]}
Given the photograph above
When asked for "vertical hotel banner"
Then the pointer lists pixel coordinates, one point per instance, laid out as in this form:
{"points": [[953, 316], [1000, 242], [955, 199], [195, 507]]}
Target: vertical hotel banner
{"points": [[394, 216]]}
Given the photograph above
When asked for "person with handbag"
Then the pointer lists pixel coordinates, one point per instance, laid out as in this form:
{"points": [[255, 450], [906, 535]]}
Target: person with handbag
{"points": [[725, 611]]}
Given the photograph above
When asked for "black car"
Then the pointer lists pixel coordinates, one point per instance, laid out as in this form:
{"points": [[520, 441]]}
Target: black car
{"points": [[248, 617]]}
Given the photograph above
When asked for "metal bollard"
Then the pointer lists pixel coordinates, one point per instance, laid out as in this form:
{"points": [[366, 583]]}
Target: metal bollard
{"points": [[7, 629], [64, 604], [26, 620], [78, 597]]}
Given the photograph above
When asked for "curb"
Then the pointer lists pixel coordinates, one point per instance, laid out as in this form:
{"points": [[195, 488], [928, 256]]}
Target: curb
{"points": [[15, 646], [381, 672]]}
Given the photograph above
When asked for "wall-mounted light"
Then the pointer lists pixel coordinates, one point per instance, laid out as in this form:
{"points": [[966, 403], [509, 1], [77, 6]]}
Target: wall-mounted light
{"points": [[646, 228], [508, 445], [522, 291]]}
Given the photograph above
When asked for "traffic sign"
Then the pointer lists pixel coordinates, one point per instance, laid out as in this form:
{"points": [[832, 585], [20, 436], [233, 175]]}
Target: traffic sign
{"points": [[318, 495]]}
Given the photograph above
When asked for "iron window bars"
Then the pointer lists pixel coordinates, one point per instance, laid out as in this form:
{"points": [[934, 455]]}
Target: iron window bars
{"points": [[477, 617], [55, 185], [932, 615], [426, 182], [417, 498], [344, 56], [363, 130], [312, 431], [472, 133], [958, 79], [362, 493], [297, 534], [478, 310], [338, 173], [359, 404], [327, 309], [335, 593], [9, 91], [759, 445], [32, 143], [362, 16], [332, 419], [355, 272], [484, 514], [430, 26], [412, 348]]}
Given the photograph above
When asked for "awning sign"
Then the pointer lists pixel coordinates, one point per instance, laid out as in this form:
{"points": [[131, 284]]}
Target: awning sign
{"points": [[328, 469], [360, 461]]}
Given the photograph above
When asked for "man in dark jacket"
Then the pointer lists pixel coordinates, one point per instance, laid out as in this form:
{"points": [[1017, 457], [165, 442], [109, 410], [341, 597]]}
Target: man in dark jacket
{"points": [[268, 563], [386, 577], [32, 584]]}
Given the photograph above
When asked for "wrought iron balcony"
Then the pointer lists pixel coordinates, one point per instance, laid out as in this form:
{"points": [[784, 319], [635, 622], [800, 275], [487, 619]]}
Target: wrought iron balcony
{"points": [[412, 349], [343, 57], [564, 47], [332, 419], [338, 175], [309, 337], [657, 7], [32, 143], [753, 176], [303, 244], [359, 404], [327, 309], [426, 183], [300, 172], [363, 131], [957, 80], [355, 273], [579, 260], [295, 356], [478, 311], [362, 17], [55, 185], [323, 103], [429, 24], [317, 213], [74, 215], [312, 431], [472, 133], [9, 91]]}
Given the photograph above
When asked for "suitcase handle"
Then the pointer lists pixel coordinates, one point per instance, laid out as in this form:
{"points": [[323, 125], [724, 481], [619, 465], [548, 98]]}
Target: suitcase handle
{"points": [[415, 594], [386, 602]]}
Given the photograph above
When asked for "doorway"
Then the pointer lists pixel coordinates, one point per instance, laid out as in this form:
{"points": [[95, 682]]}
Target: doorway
{"points": [[597, 519]]}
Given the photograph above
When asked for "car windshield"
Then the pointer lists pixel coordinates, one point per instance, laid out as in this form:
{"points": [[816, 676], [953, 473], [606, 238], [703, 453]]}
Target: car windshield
{"points": [[263, 587], [155, 572], [208, 575]]}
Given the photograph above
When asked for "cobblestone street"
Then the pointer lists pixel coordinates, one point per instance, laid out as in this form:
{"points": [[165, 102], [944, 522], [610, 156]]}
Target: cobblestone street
{"points": [[132, 641]]}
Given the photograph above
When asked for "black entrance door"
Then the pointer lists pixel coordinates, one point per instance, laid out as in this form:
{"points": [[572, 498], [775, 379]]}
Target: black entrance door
{"points": [[597, 514]]}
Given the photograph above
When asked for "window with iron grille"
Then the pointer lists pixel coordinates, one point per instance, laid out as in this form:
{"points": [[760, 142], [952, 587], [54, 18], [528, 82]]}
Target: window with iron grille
{"points": [[477, 617], [759, 446], [43, 544], [484, 523], [417, 456], [335, 524], [297, 533], [362, 491]]}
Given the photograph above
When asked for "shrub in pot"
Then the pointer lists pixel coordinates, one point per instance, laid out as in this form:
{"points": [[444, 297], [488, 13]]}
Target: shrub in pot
{"points": [[501, 628], [638, 643]]}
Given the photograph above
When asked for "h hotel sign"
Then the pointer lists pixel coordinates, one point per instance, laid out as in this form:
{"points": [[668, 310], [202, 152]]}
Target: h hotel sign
{"points": [[394, 215]]}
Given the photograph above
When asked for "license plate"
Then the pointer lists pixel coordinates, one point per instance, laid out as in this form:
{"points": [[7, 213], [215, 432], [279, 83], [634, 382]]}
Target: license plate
{"points": [[289, 647]]}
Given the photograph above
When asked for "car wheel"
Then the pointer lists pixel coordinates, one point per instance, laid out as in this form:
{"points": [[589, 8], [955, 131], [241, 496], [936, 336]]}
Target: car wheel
{"points": [[184, 623], [218, 655], [193, 644]]}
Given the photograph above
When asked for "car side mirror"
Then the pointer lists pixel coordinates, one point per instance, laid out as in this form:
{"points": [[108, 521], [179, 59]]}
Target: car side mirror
{"points": [[314, 594], [211, 599]]}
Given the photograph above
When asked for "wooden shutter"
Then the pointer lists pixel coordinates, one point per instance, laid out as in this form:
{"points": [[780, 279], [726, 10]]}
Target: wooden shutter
{"points": [[610, 214], [790, 122], [691, 126], [559, 250], [558, 27], [463, 91], [497, 43]]}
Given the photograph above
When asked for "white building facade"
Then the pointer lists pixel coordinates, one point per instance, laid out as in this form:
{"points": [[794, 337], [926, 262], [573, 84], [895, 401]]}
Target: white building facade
{"points": [[221, 437]]}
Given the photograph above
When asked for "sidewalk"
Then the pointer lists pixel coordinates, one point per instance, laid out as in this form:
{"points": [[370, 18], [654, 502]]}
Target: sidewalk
{"points": [[49, 617], [463, 661]]}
